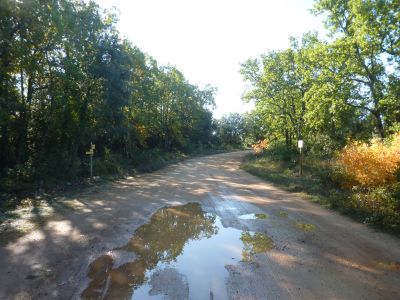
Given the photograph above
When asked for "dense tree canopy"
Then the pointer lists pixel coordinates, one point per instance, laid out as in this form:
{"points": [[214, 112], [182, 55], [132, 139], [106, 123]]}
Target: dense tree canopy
{"points": [[68, 79], [230, 130], [327, 92]]}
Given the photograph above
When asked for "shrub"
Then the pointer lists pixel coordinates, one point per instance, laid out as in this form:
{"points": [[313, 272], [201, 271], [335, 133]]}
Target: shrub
{"points": [[381, 204], [322, 146], [260, 146], [279, 151], [112, 163], [106, 167], [370, 165]]}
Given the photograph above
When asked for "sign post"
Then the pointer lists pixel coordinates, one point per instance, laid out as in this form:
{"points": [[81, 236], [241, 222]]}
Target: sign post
{"points": [[91, 152], [301, 145]]}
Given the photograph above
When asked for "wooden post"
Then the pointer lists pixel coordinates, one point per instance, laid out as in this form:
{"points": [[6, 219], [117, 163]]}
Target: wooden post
{"points": [[91, 165], [301, 162], [91, 152], [300, 145]]}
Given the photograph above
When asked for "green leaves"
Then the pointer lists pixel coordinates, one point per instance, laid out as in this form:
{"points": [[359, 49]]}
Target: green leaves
{"points": [[367, 45], [280, 82], [347, 88], [68, 79]]}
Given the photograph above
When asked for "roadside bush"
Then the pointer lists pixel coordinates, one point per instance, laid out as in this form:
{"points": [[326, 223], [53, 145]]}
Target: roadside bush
{"points": [[153, 159], [380, 205], [371, 172], [17, 178], [260, 146], [370, 165], [111, 163], [281, 152], [106, 167], [322, 146], [363, 181]]}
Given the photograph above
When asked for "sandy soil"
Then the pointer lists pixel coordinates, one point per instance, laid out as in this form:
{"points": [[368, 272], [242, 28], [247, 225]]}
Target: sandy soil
{"points": [[317, 254]]}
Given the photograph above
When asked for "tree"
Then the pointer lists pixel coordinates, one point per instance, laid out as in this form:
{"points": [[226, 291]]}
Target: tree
{"points": [[280, 83], [230, 130], [366, 49], [67, 79]]}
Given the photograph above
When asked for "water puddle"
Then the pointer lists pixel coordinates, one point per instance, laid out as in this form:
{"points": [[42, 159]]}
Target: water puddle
{"points": [[180, 254], [253, 217], [254, 243]]}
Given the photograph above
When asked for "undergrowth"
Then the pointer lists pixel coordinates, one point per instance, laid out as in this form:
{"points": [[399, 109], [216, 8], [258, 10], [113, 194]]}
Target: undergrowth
{"points": [[322, 182], [19, 184]]}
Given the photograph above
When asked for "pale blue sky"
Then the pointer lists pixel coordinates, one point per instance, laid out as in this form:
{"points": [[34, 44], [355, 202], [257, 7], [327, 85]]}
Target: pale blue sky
{"points": [[208, 39]]}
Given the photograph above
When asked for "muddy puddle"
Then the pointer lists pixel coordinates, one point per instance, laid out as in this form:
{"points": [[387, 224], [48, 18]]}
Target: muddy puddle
{"points": [[180, 254]]}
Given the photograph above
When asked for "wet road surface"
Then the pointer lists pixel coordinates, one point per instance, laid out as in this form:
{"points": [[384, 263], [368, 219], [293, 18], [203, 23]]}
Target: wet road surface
{"points": [[201, 229]]}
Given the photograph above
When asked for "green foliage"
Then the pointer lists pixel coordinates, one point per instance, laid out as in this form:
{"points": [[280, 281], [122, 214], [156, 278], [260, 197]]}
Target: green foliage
{"points": [[364, 57], [153, 159], [68, 79], [230, 131], [315, 183], [112, 163], [322, 146], [292, 100], [329, 94], [253, 129], [280, 152], [322, 182], [331, 91], [380, 206]]}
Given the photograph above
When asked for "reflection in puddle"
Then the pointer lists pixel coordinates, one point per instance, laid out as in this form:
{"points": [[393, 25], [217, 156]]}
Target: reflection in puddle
{"points": [[254, 243], [253, 217], [181, 253]]}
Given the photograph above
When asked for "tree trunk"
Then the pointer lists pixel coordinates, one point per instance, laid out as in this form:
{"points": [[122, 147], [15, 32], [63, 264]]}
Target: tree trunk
{"points": [[3, 148], [24, 122], [287, 139], [379, 124]]}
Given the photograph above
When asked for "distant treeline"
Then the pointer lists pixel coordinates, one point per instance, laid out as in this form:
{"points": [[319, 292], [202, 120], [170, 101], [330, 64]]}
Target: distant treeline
{"points": [[67, 79]]}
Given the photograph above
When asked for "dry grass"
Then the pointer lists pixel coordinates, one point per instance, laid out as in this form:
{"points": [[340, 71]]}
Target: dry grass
{"points": [[371, 165], [260, 146]]}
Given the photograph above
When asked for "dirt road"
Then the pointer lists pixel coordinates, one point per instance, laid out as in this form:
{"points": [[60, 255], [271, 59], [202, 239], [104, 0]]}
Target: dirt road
{"points": [[224, 235]]}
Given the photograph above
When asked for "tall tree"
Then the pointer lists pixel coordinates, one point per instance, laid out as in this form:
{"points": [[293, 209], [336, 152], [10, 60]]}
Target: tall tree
{"points": [[67, 79], [367, 49]]}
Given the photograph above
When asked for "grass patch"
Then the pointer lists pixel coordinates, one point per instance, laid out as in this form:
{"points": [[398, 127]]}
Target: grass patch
{"points": [[285, 175], [305, 226], [261, 216], [283, 214]]}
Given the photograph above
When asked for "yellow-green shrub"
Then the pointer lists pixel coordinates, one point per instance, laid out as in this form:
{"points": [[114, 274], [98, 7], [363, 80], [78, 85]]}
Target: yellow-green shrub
{"points": [[370, 165], [260, 146]]}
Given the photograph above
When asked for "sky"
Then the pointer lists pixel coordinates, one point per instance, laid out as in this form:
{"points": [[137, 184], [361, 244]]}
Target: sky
{"points": [[208, 39]]}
